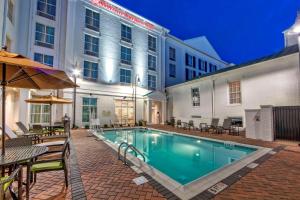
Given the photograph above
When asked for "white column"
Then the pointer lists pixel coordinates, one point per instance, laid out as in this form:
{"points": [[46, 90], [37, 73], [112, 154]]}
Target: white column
{"points": [[163, 112], [148, 112], [24, 111]]}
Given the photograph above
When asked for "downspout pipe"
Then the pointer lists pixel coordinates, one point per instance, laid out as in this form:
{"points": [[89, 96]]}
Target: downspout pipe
{"points": [[3, 38]]}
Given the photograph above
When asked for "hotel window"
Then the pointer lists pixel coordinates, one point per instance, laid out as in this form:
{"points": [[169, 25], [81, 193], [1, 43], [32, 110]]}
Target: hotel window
{"points": [[125, 75], [47, 8], [235, 96], [126, 33], [10, 12], [44, 35], [39, 113], [172, 70], [92, 20], [172, 53], [44, 59], [195, 97], [189, 74], [201, 65], [90, 70], [190, 60], [152, 82], [151, 62], [125, 55], [124, 110], [89, 109], [205, 66], [91, 45], [152, 43]]}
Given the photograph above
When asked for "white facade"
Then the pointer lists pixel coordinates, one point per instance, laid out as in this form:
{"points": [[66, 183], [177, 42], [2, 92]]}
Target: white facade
{"points": [[55, 33]]}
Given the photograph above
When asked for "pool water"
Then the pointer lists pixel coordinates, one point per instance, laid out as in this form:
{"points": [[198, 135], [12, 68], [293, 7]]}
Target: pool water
{"points": [[182, 158]]}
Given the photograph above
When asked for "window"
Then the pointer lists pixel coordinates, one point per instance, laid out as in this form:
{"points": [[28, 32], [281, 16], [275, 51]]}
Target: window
{"points": [[195, 96], [172, 53], [90, 70], [151, 82], [151, 62], [189, 74], [89, 109], [44, 59], [172, 70], [126, 33], [190, 60], [125, 75], [152, 43], [10, 12], [202, 65], [46, 8], [235, 92], [205, 66], [92, 20], [91, 45], [125, 55], [39, 113], [44, 35]]}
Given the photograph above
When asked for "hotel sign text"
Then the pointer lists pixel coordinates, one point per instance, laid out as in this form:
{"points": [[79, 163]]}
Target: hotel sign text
{"points": [[122, 13]]}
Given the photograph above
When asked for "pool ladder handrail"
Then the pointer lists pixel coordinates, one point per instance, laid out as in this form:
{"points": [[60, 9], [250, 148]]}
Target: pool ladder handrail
{"points": [[133, 148]]}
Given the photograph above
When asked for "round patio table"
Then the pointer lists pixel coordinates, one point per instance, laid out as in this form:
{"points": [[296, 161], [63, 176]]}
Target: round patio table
{"points": [[16, 155]]}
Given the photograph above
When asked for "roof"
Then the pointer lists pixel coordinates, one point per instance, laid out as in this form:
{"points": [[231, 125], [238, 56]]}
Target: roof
{"points": [[284, 52]]}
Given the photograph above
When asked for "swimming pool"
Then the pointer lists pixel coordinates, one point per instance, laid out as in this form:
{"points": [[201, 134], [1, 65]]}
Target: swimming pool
{"points": [[182, 158]]}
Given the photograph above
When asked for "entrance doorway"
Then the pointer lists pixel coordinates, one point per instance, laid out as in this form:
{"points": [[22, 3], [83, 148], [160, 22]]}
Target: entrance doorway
{"points": [[156, 117], [124, 111]]}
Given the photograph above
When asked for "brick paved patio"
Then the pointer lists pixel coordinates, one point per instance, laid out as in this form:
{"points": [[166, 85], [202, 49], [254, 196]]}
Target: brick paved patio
{"points": [[105, 177]]}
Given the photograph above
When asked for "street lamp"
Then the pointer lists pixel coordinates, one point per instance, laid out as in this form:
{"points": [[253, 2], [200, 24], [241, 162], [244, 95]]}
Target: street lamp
{"points": [[136, 81], [76, 73]]}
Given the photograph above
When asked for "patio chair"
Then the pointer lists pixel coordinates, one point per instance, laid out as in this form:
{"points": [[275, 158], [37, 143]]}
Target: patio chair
{"points": [[206, 128], [17, 142], [53, 164], [178, 124], [6, 182], [191, 124], [227, 126]]}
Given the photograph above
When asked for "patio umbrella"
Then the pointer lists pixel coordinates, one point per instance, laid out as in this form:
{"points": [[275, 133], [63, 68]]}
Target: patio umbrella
{"points": [[21, 72], [49, 99]]}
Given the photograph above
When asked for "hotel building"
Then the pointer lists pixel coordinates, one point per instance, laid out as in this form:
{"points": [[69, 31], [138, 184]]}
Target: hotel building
{"points": [[118, 54]]}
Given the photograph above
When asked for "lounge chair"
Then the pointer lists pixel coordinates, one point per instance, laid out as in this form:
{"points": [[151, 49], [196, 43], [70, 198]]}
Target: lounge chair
{"points": [[40, 138], [227, 127], [191, 124], [53, 164], [206, 128]]}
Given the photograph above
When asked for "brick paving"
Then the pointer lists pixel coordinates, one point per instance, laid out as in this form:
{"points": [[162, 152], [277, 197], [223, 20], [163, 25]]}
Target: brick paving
{"points": [[105, 177]]}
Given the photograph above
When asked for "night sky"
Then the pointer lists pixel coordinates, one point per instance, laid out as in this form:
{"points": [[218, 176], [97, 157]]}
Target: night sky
{"points": [[239, 30]]}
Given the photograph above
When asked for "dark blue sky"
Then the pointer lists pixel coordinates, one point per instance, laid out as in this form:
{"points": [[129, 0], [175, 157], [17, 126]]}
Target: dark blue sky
{"points": [[240, 30]]}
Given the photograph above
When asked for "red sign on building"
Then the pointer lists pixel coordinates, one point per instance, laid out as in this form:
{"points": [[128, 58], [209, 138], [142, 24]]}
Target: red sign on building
{"points": [[122, 13]]}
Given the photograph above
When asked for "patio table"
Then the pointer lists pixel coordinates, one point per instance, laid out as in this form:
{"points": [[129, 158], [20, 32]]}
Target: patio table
{"points": [[16, 155]]}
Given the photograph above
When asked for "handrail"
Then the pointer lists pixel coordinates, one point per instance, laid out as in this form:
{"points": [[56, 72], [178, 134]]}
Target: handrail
{"points": [[119, 149], [135, 150]]}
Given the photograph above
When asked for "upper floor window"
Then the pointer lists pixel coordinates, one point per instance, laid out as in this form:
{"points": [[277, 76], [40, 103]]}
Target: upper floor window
{"points": [[125, 55], [202, 65], [189, 74], [235, 92], [90, 70], [92, 20], [152, 43], [125, 75], [47, 8], [91, 45], [190, 60], [195, 96], [152, 82], [172, 53], [10, 12], [172, 70], [151, 62], [44, 59], [212, 67], [89, 109], [44, 35], [126, 33]]}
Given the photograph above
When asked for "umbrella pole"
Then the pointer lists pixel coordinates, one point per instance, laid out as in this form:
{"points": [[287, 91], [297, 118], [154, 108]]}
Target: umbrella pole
{"points": [[3, 83]]}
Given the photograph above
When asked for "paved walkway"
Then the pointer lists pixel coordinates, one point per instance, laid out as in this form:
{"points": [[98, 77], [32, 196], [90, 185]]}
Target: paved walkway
{"points": [[105, 177]]}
